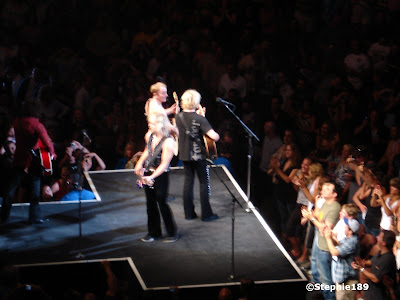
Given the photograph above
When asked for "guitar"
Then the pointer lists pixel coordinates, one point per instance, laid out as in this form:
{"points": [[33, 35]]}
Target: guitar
{"points": [[176, 148], [43, 159], [209, 144]]}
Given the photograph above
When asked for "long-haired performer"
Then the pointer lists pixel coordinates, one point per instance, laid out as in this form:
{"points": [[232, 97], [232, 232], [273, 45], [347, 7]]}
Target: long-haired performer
{"points": [[152, 169]]}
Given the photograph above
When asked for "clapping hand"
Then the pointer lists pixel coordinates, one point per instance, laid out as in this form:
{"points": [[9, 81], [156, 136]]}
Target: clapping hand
{"points": [[358, 263], [327, 232], [305, 212]]}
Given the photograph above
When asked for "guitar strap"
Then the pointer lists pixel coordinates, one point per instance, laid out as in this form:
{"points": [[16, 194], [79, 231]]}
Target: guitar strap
{"points": [[189, 133], [150, 161]]}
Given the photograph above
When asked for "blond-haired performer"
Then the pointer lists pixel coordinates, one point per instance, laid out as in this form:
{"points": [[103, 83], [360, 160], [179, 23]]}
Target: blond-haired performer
{"points": [[192, 127], [154, 105], [152, 168]]}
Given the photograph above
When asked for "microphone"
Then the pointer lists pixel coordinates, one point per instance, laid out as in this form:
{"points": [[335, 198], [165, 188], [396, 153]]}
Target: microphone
{"points": [[84, 132], [219, 100]]}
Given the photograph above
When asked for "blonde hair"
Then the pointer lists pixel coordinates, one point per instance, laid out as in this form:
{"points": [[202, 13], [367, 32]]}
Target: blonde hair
{"points": [[351, 209], [190, 99], [156, 87], [315, 170], [161, 123]]}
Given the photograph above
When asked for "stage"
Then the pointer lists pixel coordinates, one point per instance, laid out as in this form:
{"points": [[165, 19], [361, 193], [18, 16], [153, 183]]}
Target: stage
{"points": [[205, 256]]}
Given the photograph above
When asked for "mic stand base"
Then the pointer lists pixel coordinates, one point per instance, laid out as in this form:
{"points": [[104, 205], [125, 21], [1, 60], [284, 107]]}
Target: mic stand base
{"points": [[79, 256]]}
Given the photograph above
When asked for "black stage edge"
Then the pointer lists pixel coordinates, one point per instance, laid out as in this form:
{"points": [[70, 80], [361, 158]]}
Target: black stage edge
{"points": [[199, 263]]}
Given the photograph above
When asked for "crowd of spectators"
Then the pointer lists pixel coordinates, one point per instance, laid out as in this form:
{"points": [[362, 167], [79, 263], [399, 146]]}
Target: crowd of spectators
{"points": [[317, 81]]}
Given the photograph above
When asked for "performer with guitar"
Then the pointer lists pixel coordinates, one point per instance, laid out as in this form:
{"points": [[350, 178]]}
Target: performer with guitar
{"points": [[193, 126], [152, 169], [29, 170], [154, 104]]}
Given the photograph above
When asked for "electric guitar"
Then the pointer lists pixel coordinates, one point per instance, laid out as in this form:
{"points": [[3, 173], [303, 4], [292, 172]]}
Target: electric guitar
{"points": [[176, 147], [43, 159], [209, 144]]}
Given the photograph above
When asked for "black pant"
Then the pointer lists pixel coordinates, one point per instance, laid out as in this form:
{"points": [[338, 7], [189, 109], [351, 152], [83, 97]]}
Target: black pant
{"points": [[156, 202], [203, 172], [33, 185]]}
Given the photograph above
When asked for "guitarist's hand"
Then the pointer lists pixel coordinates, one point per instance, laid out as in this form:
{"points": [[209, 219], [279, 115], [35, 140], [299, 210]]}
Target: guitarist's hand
{"points": [[201, 111], [148, 180], [139, 171], [171, 110]]}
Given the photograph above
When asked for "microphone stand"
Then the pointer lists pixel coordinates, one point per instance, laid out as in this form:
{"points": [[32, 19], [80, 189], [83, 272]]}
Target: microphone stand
{"points": [[250, 136], [234, 200], [79, 188]]}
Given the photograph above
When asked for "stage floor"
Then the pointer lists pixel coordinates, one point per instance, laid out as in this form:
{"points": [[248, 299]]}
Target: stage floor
{"points": [[113, 225]]}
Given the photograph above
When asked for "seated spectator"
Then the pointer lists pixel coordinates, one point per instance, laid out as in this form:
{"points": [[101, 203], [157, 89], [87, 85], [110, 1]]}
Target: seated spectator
{"points": [[91, 162], [47, 194], [59, 188], [76, 191], [69, 159], [76, 153], [130, 157], [374, 270]]}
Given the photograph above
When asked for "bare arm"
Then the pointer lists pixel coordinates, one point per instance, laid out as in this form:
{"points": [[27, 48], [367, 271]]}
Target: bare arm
{"points": [[329, 241], [387, 209], [312, 217], [173, 109], [361, 194], [139, 165], [286, 178], [359, 266], [100, 163], [213, 135], [307, 193], [55, 187]]}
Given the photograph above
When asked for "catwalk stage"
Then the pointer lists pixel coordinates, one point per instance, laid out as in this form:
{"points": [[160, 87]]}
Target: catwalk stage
{"points": [[111, 227]]}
